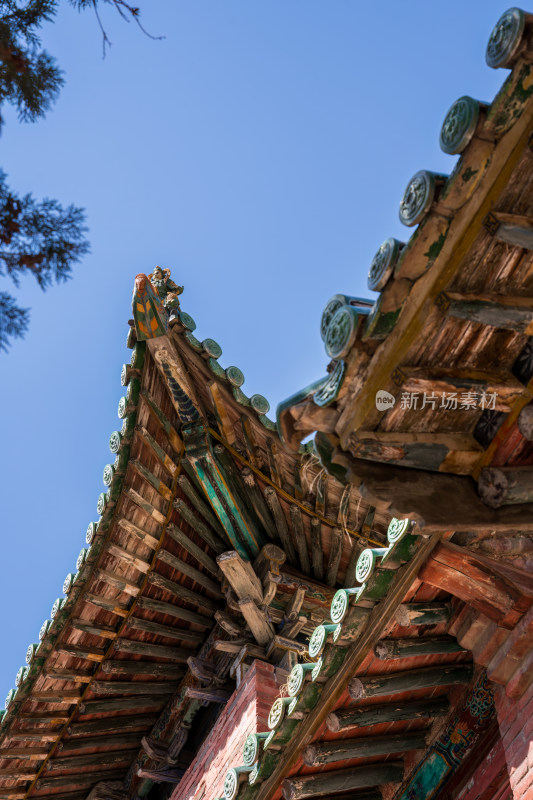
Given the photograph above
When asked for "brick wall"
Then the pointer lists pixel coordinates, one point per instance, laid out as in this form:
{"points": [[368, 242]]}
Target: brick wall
{"points": [[515, 718], [246, 712]]}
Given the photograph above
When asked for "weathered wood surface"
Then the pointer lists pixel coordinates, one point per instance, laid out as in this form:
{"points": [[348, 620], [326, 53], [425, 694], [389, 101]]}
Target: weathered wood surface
{"points": [[109, 705], [208, 694], [320, 753], [361, 716], [410, 680], [164, 630], [515, 229], [407, 648], [446, 380], [423, 497], [423, 614], [56, 782], [175, 654], [122, 584], [300, 538], [135, 530], [342, 780], [317, 554], [191, 572], [256, 619], [105, 726], [152, 668], [175, 611], [335, 554], [282, 527], [200, 555], [125, 741], [241, 576], [216, 542], [100, 760], [476, 580], [180, 592], [505, 486], [525, 422], [131, 688]]}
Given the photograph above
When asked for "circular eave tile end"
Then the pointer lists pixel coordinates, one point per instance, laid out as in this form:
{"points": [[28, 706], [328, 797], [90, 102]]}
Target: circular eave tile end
{"points": [[505, 38], [383, 263], [459, 125], [417, 198]]}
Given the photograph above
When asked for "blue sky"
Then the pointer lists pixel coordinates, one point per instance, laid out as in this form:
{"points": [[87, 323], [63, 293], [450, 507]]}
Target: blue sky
{"points": [[260, 151]]}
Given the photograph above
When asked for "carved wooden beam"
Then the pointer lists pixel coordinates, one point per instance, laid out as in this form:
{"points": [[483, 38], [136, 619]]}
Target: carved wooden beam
{"points": [[499, 311], [423, 614], [492, 588], [56, 696], [79, 778], [504, 486], [428, 451], [260, 507], [175, 654], [214, 540], [320, 753], [116, 723], [148, 508], [104, 631], [170, 466], [317, 553], [128, 557], [515, 229], [195, 496], [256, 620], [334, 556], [142, 668], [118, 582], [152, 480], [162, 421], [175, 611], [100, 760], [210, 695], [342, 780], [135, 530], [125, 741], [282, 528], [361, 717], [164, 630], [29, 753], [241, 576], [500, 388], [181, 592], [196, 552], [104, 602], [228, 623], [406, 648], [67, 675], [109, 704], [410, 680], [132, 688], [168, 775], [300, 538], [424, 497], [186, 569]]}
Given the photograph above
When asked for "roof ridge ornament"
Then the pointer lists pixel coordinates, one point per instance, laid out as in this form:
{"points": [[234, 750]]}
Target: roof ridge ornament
{"points": [[155, 302]]}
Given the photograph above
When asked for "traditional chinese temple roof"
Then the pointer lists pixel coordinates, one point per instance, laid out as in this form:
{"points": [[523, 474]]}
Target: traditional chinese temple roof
{"points": [[364, 567], [138, 644]]}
